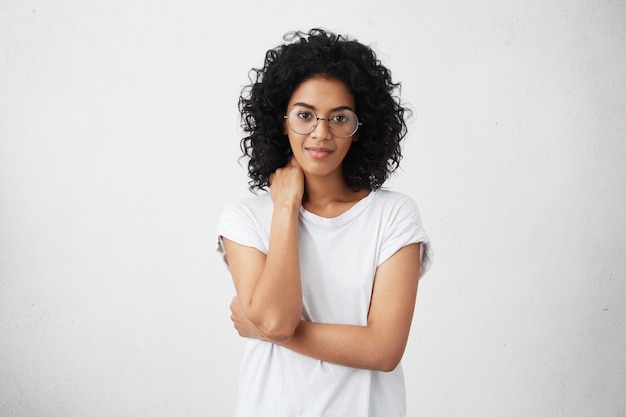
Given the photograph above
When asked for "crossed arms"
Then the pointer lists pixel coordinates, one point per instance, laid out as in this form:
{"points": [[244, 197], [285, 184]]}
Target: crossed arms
{"points": [[268, 305]]}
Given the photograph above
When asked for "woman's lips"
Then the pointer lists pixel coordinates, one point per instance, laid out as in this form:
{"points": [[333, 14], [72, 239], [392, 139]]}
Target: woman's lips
{"points": [[319, 153]]}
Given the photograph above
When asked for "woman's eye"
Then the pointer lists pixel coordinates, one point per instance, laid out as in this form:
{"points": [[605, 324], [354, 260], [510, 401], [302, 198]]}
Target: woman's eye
{"points": [[305, 115], [340, 118]]}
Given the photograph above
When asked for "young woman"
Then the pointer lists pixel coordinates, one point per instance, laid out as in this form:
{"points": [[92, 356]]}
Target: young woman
{"points": [[326, 265]]}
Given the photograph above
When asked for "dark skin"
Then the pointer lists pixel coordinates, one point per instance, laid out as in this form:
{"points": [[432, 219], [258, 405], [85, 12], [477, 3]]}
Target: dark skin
{"points": [[268, 305]]}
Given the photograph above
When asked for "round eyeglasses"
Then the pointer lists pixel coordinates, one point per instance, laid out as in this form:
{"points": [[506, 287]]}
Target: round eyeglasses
{"points": [[342, 123]]}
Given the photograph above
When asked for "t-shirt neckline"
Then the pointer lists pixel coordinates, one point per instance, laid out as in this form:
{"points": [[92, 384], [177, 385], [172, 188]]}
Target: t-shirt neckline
{"points": [[344, 218]]}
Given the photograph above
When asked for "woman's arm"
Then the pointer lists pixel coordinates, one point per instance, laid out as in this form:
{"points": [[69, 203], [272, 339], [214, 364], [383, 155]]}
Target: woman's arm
{"points": [[380, 344], [268, 287]]}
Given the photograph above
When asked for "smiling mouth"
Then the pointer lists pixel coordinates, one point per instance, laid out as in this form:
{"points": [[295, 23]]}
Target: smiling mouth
{"points": [[319, 152]]}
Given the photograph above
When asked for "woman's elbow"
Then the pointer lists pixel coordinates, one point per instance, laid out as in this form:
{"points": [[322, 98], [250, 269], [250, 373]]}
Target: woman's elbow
{"points": [[388, 360], [278, 335], [388, 365], [277, 331]]}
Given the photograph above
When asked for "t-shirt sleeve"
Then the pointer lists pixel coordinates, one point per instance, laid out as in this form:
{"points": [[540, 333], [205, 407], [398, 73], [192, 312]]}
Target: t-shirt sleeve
{"points": [[238, 223], [405, 228]]}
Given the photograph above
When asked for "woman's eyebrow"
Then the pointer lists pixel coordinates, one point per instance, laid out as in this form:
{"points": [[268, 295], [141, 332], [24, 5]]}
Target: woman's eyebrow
{"points": [[312, 107], [302, 104]]}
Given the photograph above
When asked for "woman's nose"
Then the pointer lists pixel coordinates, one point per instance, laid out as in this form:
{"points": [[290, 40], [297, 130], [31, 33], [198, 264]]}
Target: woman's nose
{"points": [[322, 129]]}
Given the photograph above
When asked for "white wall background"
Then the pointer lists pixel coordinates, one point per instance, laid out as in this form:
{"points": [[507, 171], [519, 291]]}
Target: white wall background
{"points": [[118, 150]]}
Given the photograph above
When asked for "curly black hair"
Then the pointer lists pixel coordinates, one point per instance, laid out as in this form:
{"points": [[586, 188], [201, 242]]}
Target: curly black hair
{"points": [[263, 104]]}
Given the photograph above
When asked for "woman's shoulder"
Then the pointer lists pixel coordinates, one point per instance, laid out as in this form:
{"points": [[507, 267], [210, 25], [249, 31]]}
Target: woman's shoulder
{"points": [[257, 205], [246, 222], [396, 203], [391, 197], [254, 202]]}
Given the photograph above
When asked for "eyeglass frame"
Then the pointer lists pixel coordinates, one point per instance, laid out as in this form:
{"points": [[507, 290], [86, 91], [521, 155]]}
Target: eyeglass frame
{"points": [[328, 119]]}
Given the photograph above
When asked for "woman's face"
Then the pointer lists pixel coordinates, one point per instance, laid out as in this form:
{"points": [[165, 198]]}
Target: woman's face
{"points": [[320, 153]]}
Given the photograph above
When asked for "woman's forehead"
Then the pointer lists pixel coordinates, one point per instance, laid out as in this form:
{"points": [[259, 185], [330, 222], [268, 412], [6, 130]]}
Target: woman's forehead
{"points": [[322, 93]]}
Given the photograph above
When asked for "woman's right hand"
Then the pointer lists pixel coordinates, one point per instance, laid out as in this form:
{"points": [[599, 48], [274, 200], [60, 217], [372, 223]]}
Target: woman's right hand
{"points": [[287, 185]]}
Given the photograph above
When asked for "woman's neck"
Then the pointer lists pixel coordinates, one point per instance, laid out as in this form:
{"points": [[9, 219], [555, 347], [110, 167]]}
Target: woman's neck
{"points": [[329, 198]]}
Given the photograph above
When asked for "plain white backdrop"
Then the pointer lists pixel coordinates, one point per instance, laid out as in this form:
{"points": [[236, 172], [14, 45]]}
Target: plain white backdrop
{"points": [[119, 139]]}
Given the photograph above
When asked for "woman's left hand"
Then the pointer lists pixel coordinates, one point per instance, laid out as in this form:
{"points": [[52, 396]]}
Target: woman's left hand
{"points": [[243, 325]]}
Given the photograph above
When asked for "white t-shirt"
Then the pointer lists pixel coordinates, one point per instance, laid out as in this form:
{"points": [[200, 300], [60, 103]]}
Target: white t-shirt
{"points": [[338, 260]]}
